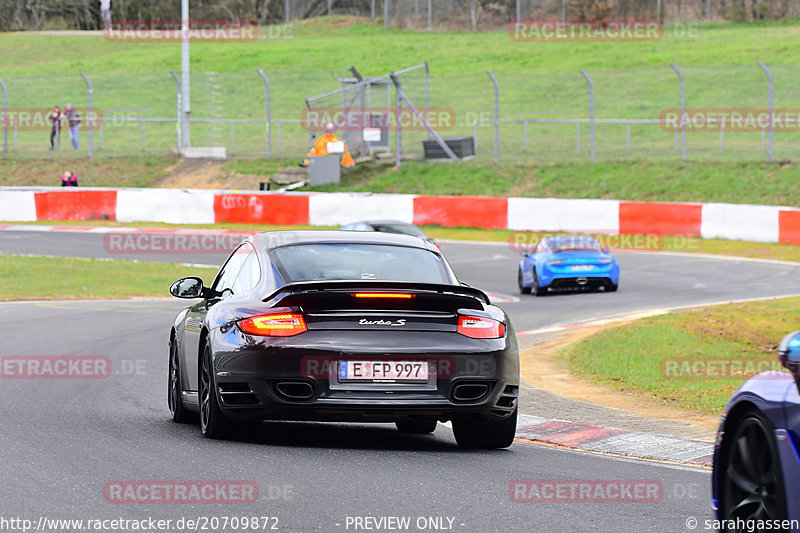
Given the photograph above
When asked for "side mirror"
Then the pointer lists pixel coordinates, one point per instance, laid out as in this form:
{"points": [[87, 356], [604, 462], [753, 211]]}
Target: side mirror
{"points": [[189, 288], [789, 353]]}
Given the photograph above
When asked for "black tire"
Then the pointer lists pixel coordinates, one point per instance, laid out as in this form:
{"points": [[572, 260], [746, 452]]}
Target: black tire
{"points": [[213, 423], [750, 475], [416, 427], [174, 387], [486, 435], [537, 290], [610, 287], [522, 290]]}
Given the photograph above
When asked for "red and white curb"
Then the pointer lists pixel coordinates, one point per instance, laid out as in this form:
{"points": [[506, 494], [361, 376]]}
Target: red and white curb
{"points": [[756, 223], [618, 441]]}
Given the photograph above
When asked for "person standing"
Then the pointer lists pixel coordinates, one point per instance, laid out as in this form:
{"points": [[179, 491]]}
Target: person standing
{"points": [[74, 124], [320, 147], [69, 179], [105, 9], [55, 126]]}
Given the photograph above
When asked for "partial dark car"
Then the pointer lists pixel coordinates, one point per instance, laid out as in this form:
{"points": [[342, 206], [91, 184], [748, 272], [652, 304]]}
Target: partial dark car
{"points": [[343, 326], [756, 466], [389, 226]]}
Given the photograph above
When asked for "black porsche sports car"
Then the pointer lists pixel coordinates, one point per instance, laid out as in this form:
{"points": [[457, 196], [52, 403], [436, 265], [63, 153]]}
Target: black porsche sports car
{"points": [[343, 326]]}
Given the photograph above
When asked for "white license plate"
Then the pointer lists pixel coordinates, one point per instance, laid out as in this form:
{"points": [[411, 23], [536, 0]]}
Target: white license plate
{"points": [[580, 268], [383, 371]]}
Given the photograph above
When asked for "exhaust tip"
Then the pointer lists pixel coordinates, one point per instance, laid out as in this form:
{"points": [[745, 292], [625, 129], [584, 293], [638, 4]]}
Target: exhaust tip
{"points": [[295, 390], [470, 392], [582, 281]]}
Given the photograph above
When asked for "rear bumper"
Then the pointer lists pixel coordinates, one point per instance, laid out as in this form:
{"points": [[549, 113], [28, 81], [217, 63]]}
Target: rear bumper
{"points": [[283, 380], [580, 283], [565, 278]]}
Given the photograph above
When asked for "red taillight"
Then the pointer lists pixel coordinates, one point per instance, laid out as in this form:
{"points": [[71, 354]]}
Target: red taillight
{"points": [[280, 325], [396, 295], [480, 328]]}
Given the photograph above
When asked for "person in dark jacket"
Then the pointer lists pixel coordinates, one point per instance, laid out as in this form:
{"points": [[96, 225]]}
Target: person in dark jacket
{"points": [[55, 126], [69, 179], [74, 123]]}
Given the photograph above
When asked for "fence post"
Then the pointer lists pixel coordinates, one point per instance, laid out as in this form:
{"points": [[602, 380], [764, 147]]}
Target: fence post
{"points": [[563, 10], [287, 13], [770, 103], [518, 11], [474, 14], [398, 130], [371, 9], [683, 109], [628, 135], [658, 11], [708, 9], [592, 139], [428, 93], [269, 112], [178, 103], [89, 114], [4, 116], [430, 15], [330, 6], [496, 117], [385, 14]]}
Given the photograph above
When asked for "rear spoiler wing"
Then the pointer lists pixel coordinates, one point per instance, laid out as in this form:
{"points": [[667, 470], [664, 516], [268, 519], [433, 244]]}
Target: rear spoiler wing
{"points": [[359, 285]]}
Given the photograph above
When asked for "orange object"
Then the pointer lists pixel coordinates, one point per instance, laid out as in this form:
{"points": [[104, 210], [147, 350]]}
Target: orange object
{"points": [[320, 148]]}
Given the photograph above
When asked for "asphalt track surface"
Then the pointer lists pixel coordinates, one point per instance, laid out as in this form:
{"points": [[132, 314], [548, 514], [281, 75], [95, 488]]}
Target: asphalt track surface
{"points": [[64, 440]]}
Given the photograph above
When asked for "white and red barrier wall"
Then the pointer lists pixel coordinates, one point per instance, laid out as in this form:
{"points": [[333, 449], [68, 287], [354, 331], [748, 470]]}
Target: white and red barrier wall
{"points": [[178, 206]]}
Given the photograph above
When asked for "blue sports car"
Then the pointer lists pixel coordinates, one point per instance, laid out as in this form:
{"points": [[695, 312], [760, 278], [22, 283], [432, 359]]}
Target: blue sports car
{"points": [[756, 460], [567, 262]]}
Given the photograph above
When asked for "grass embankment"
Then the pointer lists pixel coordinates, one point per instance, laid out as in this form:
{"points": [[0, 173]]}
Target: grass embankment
{"points": [[455, 51], [53, 278], [632, 80], [126, 171], [678, 358], [753, 183]]}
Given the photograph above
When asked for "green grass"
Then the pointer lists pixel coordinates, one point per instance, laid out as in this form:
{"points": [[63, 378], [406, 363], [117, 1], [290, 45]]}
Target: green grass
{"points": [[641, 180], [449, 52], [632, 80], [50, 278], [126, 171], [642, 356]]}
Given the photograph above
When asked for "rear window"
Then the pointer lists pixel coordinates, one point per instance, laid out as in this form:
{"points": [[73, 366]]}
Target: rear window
{"points": [[404, 229], [313, 262], [574, 244]]}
